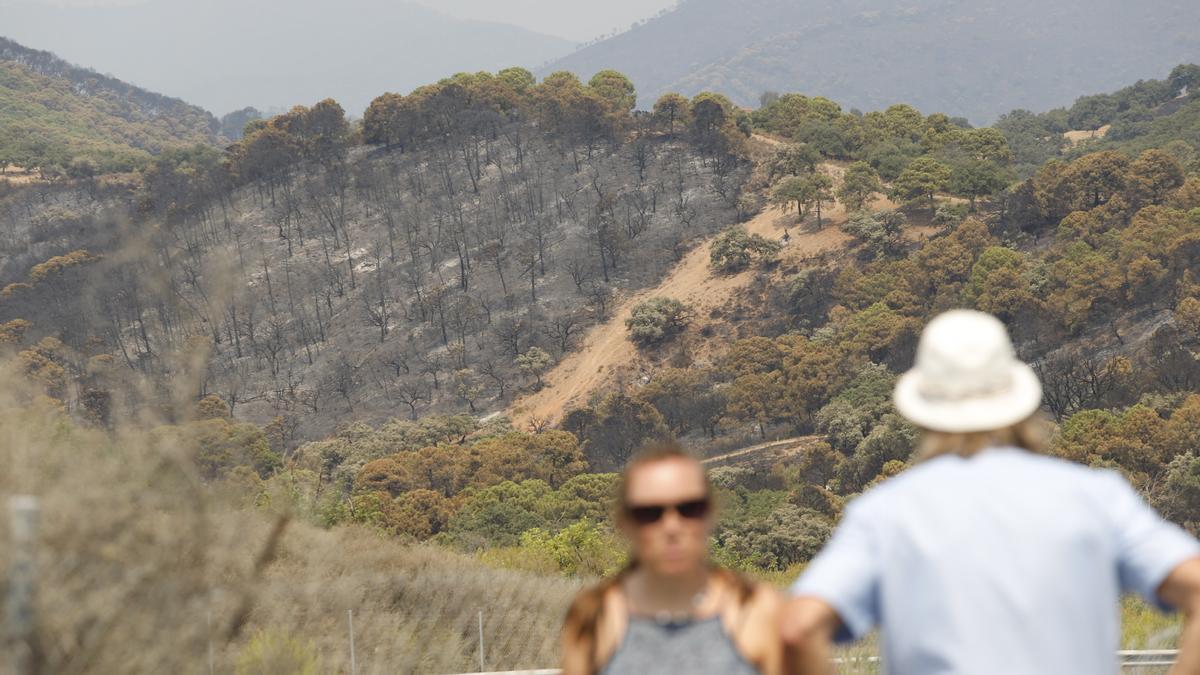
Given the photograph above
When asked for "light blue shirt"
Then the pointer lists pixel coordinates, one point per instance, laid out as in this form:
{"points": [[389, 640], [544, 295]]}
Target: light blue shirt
{"points": [[1008, 562]]}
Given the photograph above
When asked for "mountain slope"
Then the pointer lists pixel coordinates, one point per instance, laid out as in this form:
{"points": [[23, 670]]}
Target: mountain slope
{"points": [[973, 58], [52, 113], [226, 55]]}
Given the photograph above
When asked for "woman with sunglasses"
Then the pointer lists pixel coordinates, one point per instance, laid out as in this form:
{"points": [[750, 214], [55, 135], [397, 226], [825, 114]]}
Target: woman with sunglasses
{"points": [[670, 610]]}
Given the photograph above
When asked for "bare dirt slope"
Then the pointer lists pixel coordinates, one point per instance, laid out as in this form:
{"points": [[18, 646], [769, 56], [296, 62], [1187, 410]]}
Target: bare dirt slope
{"points": [[1077, 136], [606, 350], [606, 354]]}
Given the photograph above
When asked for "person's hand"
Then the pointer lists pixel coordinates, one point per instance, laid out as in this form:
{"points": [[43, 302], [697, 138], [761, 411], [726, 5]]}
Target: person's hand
{"points": [[806, 626], [1181, 590]]}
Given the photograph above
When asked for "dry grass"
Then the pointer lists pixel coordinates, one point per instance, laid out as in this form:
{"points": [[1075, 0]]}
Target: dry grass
{"points": [[142, 567]]}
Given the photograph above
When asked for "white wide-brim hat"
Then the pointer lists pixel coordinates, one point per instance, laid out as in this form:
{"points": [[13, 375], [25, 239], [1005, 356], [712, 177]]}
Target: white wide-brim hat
{"points": [[967, 377]]}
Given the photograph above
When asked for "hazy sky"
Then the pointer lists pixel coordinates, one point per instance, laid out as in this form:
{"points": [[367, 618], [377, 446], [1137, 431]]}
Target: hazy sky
{"points": [[576, 20], [227, 54]]}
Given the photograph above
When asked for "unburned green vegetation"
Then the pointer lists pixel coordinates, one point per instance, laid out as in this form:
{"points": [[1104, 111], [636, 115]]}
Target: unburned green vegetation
{"points": [[64, 121]]}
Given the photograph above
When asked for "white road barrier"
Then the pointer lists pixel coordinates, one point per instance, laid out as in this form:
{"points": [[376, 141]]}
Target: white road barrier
{"points": [[1130, 658]]}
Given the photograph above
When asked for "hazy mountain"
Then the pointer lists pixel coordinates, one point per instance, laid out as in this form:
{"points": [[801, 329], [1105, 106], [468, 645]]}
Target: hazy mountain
{"points": [[227, 54], [52, 113], [579, 20], [976, 58]]}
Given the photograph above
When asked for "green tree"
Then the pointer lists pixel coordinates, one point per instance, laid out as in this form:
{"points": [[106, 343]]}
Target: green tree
{"points": [[789, 190], [392, 120], [976, 178], [794, 159], [623, 424], [818, 464], [1080, 280], [713, 125], [987, 144], [518, 80], [498, 514], [534, 363], [219, 445], [1000, 284], [671, 109], [859, 183], [783, 537], [616, 89], [579, 549], [419, 514], [819, 191], [324, 130], [923, 177], [657, 320], [1179, 497], [686, 399], [1092, 112], [734, 249], [892, 439], [758, 399], [812, 189], [1099, 176], [467, 387], [881, 233], [1154, 175], [1187, 315], [904, 122]]}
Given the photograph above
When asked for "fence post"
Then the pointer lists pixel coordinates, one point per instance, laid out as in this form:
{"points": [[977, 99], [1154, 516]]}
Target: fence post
{"points": [[353, 663], [22, 575], [481, 667], [212, 661]]}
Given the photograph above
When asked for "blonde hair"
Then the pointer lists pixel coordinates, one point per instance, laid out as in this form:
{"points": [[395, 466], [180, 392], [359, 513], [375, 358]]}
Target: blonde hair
{"points": [[1029, 434]]}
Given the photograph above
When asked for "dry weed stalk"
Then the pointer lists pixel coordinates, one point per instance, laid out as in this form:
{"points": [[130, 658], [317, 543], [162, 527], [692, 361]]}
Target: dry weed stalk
{"points": [[136, 552]]}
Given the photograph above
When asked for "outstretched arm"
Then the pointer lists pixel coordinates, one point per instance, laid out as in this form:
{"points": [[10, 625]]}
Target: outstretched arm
{"points": [[1181, 589], [808, 626]]}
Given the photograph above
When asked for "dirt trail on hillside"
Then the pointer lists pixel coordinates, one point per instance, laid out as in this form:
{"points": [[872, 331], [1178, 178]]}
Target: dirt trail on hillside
{"points": [[747, 452], [606, 351], [605, 354]]}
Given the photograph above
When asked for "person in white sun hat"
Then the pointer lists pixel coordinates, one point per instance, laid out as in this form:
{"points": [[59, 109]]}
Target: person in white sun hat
{"points": [[988, 557]]}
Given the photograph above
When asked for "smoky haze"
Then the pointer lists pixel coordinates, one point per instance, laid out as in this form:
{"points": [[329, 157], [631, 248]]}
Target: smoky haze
{"points": [[272, 54], [576, 20]]}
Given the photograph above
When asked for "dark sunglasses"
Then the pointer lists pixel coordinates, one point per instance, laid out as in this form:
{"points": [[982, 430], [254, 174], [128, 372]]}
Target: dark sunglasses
{"points": [[692, 510]]}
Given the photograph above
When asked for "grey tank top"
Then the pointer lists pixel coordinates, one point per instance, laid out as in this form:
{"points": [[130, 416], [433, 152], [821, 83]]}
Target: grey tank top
{"points": [[699, 647]]}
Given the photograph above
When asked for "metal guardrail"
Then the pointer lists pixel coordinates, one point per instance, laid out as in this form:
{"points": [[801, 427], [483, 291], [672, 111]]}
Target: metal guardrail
{"points": [[1147, 658], [1130, 658]]}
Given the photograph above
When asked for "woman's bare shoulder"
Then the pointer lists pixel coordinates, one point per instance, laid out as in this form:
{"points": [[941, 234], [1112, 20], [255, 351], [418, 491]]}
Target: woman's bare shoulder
{"points": [[757, 636], [594, 626]]}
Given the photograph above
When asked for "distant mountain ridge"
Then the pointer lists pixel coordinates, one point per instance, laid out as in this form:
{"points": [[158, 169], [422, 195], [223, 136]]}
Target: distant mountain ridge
{"points": [[90, 83], [228, 54], [972, 58], [53, 113]]}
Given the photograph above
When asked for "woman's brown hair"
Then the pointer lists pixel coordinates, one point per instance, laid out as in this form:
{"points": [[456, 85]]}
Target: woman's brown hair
{"points": [[587, 611]]}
